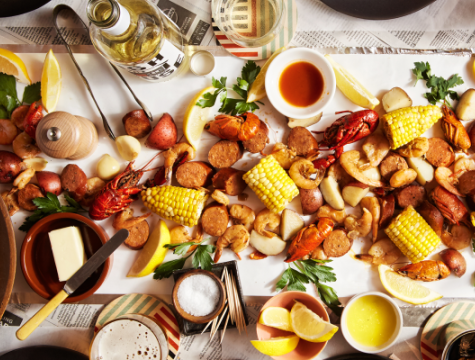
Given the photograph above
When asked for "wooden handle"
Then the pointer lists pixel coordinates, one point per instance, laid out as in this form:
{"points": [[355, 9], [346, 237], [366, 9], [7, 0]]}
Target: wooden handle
{"points": [[41, 315]]}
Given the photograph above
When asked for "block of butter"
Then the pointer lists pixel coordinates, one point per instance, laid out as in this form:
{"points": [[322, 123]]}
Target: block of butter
{"points": [[68, 251]]}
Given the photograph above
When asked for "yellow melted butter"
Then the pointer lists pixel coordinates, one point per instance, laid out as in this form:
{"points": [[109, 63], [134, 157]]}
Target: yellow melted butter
{"points": [[371, 320]]}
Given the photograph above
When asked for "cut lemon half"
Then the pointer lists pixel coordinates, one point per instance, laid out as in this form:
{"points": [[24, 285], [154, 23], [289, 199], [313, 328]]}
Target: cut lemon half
{"points": [[309, 326], [152, 253], [50, 82], [277, 346], [276, 317], [351, 87], [196, 118], [405, 289], [258, 87], [11, 64]]}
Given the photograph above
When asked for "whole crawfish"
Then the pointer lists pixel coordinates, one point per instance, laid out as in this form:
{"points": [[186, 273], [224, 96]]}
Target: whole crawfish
{"points": [[450, 206], [234, 128], [346, 130], [309, 238], [427, 270], [454, 130]]}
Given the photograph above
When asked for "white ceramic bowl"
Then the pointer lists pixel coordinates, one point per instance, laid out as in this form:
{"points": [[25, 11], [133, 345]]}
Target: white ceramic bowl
{"points": [[280, 63], [367, 349]]}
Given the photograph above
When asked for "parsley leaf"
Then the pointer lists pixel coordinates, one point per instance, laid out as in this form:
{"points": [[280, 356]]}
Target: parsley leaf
{"points": [[8, 102], [8, 85], [318, 272], [202, 257], [180, 249], [165, 270], [293, 279], [3, 113], [32, 93], [330, 298]]}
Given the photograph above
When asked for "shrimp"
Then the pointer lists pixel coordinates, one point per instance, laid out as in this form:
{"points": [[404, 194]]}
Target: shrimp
{"points": [[416, 148], [372, 204], [236, 237], [172, 155], [93, 186], [242, 215], [381, 252], [318, 253], [220, 197], [376, 147], [267, 218], [446, 178], [457, 237], [179, 235], [125, 219], [462, 165], [24, 178], [337, 172], [337, 216], [300, 173], [359, 227], [402, 178], [8, 132], [24, 147], [284, 156], [11, 201], [349, 161]]}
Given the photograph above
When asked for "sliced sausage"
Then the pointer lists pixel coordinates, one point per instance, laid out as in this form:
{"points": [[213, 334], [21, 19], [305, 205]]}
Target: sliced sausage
{"points": [[440, 153], [229, 181], [337, 243], [215, 219], [137, 124], [467, 182], [413, 195], [18, 116], [433, 216], [224, 154], [74, 181], [138, 235], [391, 164], [387, 203], [194, 174], [259, 141], [301, 141], [26, 196]]}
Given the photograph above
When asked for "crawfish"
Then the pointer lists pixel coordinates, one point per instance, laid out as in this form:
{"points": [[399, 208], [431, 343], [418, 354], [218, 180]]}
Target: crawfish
{"points": [[32, 118], [427, 270], [454, 130], [346, 130], [309, 238], [234, 128], [450, 205]]}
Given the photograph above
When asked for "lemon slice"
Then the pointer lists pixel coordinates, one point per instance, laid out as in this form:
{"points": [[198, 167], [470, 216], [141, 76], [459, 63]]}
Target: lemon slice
{"points": [[50, 82], [11, 64], [152, 253], [276, 317], [258, 87], [277, 346], [196, 118], [405, 289], [309, 326], [351, 87]]}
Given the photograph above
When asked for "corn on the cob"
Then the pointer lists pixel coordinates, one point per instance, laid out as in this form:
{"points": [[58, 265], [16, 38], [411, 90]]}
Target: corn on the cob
{"points": [[182, 205], [404, 125], [271, 184], [412, 235]]}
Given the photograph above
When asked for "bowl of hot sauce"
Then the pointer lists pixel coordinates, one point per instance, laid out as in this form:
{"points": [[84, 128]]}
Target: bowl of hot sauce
{"points": [[300, 82]]}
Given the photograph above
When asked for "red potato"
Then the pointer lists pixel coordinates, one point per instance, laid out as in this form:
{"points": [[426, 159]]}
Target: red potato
{"points": [[454, 261], [18, 116], [49, 181], [8, 132], [10, 166], [164, 135], [74, 181], [353, 192], [136, 124], [311, 200]]}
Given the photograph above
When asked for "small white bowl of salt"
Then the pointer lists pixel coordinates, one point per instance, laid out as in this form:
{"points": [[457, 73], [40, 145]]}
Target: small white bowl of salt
{"points": [[199, 296]]}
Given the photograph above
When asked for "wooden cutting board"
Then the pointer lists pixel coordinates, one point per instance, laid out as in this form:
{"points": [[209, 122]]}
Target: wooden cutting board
{"points": [[7, 257]]}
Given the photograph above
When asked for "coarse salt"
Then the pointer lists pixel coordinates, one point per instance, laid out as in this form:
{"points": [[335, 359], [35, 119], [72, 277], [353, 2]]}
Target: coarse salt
{"points": [[198, 295]]}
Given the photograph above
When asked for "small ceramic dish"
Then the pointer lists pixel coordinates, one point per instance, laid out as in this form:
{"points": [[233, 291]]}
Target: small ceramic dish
{"points": [[274, 73], [366, 349], [305, 350], [199, 319], [37, 262]]}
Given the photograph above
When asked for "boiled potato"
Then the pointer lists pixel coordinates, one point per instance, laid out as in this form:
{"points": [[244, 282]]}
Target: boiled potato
{"points": [[265, 245], [466, 108], [331, 193], [396, 98], [425, 171], [304, 122], [372, 173], [354, 192], [291, 224]]}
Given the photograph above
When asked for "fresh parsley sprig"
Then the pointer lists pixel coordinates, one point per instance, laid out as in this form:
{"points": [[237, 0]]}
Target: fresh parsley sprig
{"points": [[201, 258], [439, 87], [312, 271], [50, 205], [229, 105], [8, 95]]}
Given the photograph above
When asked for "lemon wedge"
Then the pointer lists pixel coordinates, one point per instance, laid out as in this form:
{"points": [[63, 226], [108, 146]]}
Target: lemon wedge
{"points": [[276, 317], [405, 289], [351, 87], [277, 346], [50, 82], [309, 326], [196, 118], [258, 87], [152, 253], [11, 64]]}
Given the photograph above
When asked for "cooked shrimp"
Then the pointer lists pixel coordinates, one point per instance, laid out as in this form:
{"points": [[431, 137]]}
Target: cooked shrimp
{"points": [[236, 237], [267, 218], [318, 253], [125, 219], [416, 148], [242, 215], [359, 227], [24, 146], [446, 178], [337, 216], [349, 161], [24, 178], [8, 132], [381, 252], [11, 201], [337, 172], [173, 154], [376, 147], [462, 165], [220, 197], [403, 177], [300, 173], [179, 235], [372, 204], [93, 186], [457, 237], [284, 156]]}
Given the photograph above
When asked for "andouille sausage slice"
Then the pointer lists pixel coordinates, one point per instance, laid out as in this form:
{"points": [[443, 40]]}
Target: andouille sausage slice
{"points": [[433, 216], [302, 141], [392, 163], [440, 153], [18, 116], [337, 243], [136, 124], [194, 174], [467, 182], [215, 219], [229, 181], [138, 235], [74, 181], [26, 196], [224, 154], [258, 143], [387, 203], [413, 195]]}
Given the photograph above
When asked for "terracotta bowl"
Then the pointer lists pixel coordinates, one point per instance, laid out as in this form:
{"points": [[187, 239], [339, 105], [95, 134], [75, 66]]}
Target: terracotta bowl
{"points": [[199, 319], [305, 350], [37, 262]]}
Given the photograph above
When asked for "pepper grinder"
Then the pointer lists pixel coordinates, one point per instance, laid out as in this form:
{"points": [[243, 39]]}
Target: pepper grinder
{"points": [[64, 136]]}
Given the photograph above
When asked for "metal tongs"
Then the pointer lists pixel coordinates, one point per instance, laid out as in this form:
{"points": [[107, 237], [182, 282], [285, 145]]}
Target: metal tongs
{"points": [[56, 11]]}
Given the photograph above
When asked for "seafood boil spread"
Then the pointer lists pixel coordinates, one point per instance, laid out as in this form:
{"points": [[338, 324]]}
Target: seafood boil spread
{"points": [[407, 197]]}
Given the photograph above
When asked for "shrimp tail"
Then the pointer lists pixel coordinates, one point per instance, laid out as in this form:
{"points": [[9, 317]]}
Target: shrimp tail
{"points": [[217, 255]]}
